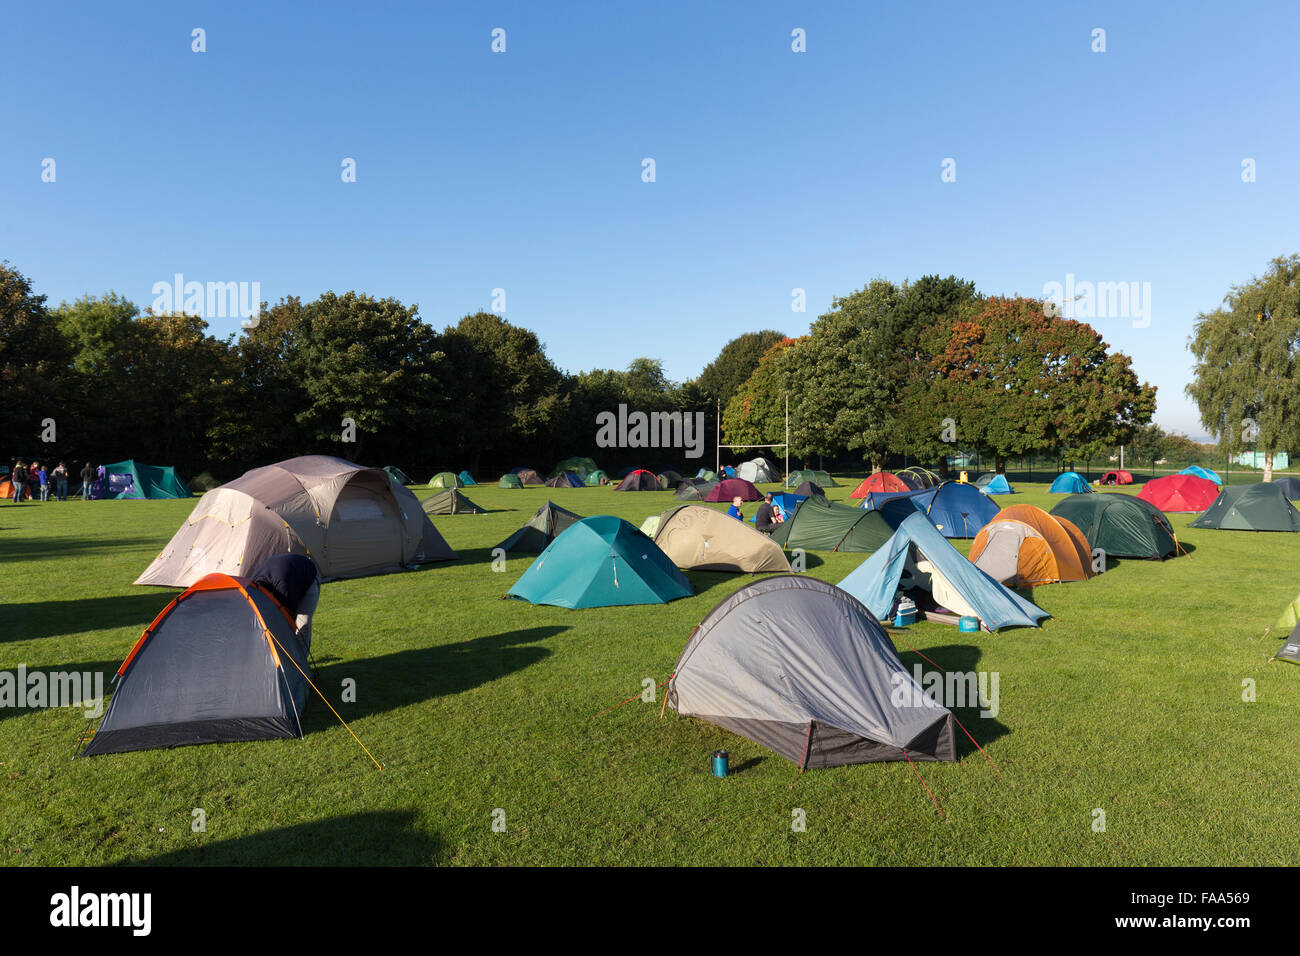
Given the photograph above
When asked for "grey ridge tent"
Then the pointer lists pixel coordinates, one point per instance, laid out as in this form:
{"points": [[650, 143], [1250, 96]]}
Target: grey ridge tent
{"points": [[801, 667], [350, 520]]}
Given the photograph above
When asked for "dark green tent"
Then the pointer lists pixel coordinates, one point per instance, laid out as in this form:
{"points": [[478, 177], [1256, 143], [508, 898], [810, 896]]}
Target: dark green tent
{"points": [[797, 478], [450, 502], [1259, 507], [824, 526], [1122, 525], [541, 529], [397, 474], [510, 481]]}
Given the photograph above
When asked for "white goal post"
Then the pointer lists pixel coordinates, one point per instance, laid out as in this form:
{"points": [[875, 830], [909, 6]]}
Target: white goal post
{"points": [[717, 440]]}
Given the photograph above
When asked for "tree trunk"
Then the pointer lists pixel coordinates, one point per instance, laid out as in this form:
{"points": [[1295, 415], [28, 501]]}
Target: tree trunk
{"points": [[1268, 466], [999, 464]]}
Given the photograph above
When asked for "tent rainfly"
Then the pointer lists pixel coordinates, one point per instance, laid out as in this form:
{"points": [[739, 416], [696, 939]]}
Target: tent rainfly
{"points": [[706, 539], [541, 529], [1259, 507]]}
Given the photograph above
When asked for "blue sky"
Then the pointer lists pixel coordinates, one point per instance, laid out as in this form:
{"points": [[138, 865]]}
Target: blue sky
{"points": [[775, 170]]}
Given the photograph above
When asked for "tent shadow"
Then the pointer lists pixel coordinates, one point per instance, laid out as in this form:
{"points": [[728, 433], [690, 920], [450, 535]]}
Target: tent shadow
{"points": [[106, 668], [39, 547], [375, 838], [960, 659], [413, 676], [42, 619]]}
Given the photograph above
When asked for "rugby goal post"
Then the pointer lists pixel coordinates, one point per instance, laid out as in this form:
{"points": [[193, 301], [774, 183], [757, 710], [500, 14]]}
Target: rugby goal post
{"points": [[717, 440]]}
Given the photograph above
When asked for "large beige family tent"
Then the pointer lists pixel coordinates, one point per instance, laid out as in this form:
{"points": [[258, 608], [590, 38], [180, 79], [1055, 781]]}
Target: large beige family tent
{"points": [[707, 539], [350, 520]]}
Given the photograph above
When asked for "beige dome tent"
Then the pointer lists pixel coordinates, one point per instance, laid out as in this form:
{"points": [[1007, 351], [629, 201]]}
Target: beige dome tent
{"points": [[706, 539], [352, 521]]}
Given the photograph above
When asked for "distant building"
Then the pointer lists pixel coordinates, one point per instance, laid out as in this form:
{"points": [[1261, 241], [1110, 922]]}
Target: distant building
{"points": [[1255, 459]]}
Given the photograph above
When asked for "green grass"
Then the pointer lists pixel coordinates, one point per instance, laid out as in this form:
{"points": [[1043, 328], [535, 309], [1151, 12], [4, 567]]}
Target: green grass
{"points": [[1129, 700]]}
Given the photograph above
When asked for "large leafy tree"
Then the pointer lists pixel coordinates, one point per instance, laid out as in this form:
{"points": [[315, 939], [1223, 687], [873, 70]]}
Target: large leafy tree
{"points": [[1017, 380], [1246, 382], [33, 365], [756, 412]]}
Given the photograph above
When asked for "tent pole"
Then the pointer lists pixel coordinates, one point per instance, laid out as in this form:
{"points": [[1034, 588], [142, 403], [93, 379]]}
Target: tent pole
{"points": [[787, 437]]}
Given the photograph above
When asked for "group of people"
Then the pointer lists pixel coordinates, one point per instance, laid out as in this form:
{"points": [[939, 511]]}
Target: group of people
{"points": [[768, 517], [35, 480]]}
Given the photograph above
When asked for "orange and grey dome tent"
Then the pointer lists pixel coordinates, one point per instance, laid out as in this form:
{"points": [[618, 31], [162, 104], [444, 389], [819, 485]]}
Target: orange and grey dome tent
{"points": [[1024, 545], [220, 663], [352, 521], [880, 481]]}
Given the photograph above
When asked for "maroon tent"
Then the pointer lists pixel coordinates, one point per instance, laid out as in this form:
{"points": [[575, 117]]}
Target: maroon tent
{"points": [[639, 480], [732, 488], [1117, 478]]}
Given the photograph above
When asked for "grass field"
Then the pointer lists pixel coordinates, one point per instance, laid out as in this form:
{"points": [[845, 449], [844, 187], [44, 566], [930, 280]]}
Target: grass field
{"points": [[1129, 701]]}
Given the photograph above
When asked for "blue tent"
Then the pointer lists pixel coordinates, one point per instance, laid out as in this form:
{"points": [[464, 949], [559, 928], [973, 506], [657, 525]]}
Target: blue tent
{"points": [[466, 478], [955, 508], [949, 577], [786, 502], [1070, 483], [601, 562], [996, 485], [893, 506], [1200, 472]]}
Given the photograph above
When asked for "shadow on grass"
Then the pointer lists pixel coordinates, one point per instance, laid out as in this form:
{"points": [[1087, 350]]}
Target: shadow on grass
{"points": [[86, 688], [376, 838], [959, 696], [41, 619], [42, 548], [414, 676]]}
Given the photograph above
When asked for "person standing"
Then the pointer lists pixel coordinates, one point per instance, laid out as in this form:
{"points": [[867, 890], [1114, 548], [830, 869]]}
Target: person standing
{"points": [[43, 477], [87, 478], [18, 480], [61, 481]]}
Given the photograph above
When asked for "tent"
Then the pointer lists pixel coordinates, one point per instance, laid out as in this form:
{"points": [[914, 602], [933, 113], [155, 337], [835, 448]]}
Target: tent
{"points": [[129, 479], [220, 663], [1290, 651], [956, 508], [450, 502], [639, 480], [565, 479], [510, 481], [1121, 525], [734, 488], [920, 562], [582, 467], [445, 479], [706, 539], [1289, 618], [1290, 487], [397, 474], [650, 526], [352, 521], [597, 477], [1025, 546], [758, 470], [800, 667], [823, 526], [1258, 507], [541, 529], [880, 481], [992, 484], [894, 506], [601, 562], [1180, 493], [1070, 483], [669, 479], [707, 475], [1200, 472], [529, 477], [466, 479], [810, 488], [917, 478], [1117, 478], [695, 489], [7, 491], [797, 478]]}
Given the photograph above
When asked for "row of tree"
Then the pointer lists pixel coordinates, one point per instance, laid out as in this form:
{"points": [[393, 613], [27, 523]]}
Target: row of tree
{"points": [[921, 369]]}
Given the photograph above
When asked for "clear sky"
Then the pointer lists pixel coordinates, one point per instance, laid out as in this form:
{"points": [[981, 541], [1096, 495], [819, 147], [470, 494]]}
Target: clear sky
{"points": [[774, 170]]}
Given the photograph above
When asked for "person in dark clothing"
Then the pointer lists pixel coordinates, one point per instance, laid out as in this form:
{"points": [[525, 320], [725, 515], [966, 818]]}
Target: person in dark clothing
{"points": [[87, 480], [765, 520], [18, 479], [295, 582], [60, 476]]}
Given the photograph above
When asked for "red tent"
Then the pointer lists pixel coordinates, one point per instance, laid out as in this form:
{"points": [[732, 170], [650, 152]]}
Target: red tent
{"points": [[639, 480], [733, 487], [1117, 478], [880, 481], [1180, 493]]}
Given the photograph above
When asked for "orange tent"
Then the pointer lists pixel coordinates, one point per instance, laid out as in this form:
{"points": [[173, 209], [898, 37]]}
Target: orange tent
{"points": [[7, 491], [880, 481], [1024, 545]]}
